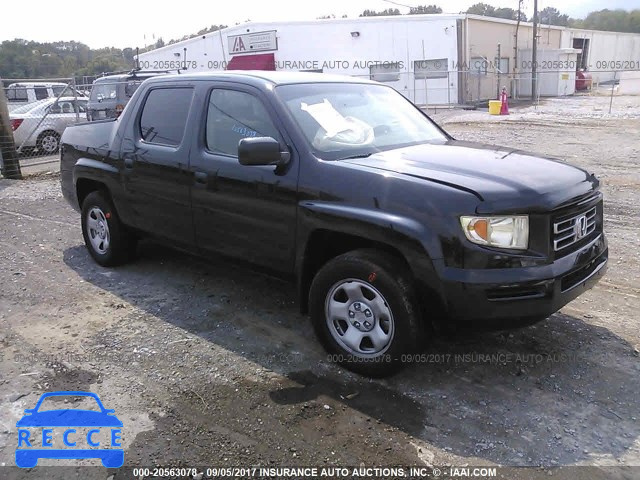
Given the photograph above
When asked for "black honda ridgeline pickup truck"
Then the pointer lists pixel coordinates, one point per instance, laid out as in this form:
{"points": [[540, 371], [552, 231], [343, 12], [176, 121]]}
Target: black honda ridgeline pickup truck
{"points": [[385, 221]]}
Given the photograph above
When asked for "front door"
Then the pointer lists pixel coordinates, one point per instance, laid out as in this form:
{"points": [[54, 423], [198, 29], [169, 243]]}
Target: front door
{"points": [[247, 212]]}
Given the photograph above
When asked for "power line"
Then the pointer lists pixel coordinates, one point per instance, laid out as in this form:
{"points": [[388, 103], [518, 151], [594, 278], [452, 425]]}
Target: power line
{"points": [[399, 4]]}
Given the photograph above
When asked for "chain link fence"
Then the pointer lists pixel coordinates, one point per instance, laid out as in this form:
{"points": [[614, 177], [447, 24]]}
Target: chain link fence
{"points": [[474, 88], [39, 110]]}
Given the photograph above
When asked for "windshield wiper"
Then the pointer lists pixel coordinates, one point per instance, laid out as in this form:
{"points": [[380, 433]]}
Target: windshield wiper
{"points": [[362, 155]]}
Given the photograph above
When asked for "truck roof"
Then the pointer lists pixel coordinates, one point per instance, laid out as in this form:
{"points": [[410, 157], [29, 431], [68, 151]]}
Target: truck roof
{"points": [[261, 77]]}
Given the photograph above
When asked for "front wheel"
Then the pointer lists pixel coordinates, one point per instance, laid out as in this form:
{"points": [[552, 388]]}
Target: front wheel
{"points": [[106, 238], [365, 312]]}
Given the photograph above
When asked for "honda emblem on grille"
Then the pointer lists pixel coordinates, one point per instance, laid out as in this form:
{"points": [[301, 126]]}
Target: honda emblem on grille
{"points": [[580, 227]]}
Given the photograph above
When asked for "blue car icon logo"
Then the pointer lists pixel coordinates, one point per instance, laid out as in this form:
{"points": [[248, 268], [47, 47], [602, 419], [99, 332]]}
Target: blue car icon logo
{"points": [[82, 433]]}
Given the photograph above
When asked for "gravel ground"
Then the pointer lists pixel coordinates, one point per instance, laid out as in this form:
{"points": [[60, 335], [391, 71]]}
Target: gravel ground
{"points": [[208, 363]]}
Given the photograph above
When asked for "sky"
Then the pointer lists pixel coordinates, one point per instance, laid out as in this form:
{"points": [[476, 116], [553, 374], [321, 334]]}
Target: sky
{"points": [[127, 23]]}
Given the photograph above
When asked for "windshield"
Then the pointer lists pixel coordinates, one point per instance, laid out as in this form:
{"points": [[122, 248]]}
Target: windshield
{"points": [[343, 120]]}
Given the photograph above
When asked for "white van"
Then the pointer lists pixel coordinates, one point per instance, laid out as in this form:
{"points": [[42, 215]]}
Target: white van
{"points": [[19, 94]]}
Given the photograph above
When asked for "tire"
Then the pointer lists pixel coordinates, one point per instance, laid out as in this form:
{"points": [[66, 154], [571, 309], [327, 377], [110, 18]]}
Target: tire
{"points": [[365, 312], [48, 142], [106, 238]]}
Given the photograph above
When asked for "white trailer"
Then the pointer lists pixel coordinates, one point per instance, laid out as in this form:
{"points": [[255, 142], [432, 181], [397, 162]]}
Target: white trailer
{"points": [[415, 54], [431, 59]]}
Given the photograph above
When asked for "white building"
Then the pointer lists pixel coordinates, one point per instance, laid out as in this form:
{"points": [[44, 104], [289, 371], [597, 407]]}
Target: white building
{"points": [[431, 59]]}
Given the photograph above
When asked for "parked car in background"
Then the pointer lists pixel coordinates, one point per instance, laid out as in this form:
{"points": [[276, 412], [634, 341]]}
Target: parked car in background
{"points": [[111, 93], [41, 124], [21, 94]]}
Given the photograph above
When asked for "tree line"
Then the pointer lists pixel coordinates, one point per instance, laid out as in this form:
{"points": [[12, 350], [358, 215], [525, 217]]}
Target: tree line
{"points": [[608, 20], [21, 58]]}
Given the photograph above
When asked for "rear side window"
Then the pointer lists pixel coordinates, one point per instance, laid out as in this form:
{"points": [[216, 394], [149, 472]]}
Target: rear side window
{"points": [[164, 115], [41, 93], [17, 94], [131, 87], [57, 91]]}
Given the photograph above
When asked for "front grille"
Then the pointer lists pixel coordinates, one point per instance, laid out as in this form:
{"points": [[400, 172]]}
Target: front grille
{"points": [[571, 230]]}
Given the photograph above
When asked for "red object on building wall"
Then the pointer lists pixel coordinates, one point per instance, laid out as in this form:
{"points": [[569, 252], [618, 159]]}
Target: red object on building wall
{"points": [[264, 61]]}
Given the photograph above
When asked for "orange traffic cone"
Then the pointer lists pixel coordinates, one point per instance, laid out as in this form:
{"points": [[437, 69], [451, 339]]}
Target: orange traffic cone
{"points": [[504, 107]]}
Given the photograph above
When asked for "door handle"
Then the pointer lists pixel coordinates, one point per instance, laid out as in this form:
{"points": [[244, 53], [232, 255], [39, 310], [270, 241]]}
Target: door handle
{"points": [[201, 177], [128, 163]]}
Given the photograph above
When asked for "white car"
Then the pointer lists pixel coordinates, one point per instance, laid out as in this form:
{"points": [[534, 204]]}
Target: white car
{"points": [[41, 124], [20, 94]]}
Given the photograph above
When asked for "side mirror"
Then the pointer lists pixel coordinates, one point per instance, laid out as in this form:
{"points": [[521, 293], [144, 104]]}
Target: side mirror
{"points": [[261, 151]]}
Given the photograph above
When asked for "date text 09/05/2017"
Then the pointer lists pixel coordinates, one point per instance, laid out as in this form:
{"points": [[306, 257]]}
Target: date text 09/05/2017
{"points": [[315, 472]]}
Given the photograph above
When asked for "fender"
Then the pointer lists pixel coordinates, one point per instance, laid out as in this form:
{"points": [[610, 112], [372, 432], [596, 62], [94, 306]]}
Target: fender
{"points": [[105, 173], [84, 165], [419, 246]]}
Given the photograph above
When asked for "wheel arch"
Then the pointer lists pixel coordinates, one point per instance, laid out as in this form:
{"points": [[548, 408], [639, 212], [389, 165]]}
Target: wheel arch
{"points": [[84, 186], [327, 241]]}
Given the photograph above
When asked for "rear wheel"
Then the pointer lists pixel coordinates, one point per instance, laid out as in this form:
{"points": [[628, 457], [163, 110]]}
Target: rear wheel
{"points": [[106, 238], [365, 312], [48, 142]]}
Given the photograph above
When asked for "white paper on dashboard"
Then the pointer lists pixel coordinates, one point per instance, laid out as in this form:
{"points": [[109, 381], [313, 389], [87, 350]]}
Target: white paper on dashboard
{"points": [[328, 117]]}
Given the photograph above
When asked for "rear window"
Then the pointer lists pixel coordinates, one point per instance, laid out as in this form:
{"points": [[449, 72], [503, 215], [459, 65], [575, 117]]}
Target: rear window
{"points": [[104, 91], [164, 115], [28, 107]]}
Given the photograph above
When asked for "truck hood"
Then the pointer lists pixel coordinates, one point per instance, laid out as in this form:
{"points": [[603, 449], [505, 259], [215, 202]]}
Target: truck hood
{"points": [[503, 179]]}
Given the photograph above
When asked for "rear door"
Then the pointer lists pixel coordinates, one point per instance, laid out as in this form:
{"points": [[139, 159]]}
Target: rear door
{"points": [[247, 212], [155, 156]]}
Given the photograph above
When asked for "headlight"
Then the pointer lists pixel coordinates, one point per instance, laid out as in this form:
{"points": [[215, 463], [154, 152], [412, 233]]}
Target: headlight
{"points": [[501, 232]]}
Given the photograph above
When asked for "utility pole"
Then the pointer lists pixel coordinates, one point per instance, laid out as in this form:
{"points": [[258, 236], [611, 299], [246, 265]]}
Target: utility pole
{"points": [[498, 71], [534, 54], [516, 80], [10, 165]]}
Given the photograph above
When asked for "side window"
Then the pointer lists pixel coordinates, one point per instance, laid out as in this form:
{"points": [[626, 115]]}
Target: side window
{"points": [[164, 115], [131, 87], [17, 94], [57, 91], [67, 107], [41, 93], [234, 115]]}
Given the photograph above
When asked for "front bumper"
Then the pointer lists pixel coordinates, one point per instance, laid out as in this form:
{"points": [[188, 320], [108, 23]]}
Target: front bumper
{"points": [[512, 297]]}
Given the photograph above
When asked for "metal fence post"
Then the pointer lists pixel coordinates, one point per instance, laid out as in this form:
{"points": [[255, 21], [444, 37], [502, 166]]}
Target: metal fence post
{"points": [[10, 166], [75, 99], [613, 87]]}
